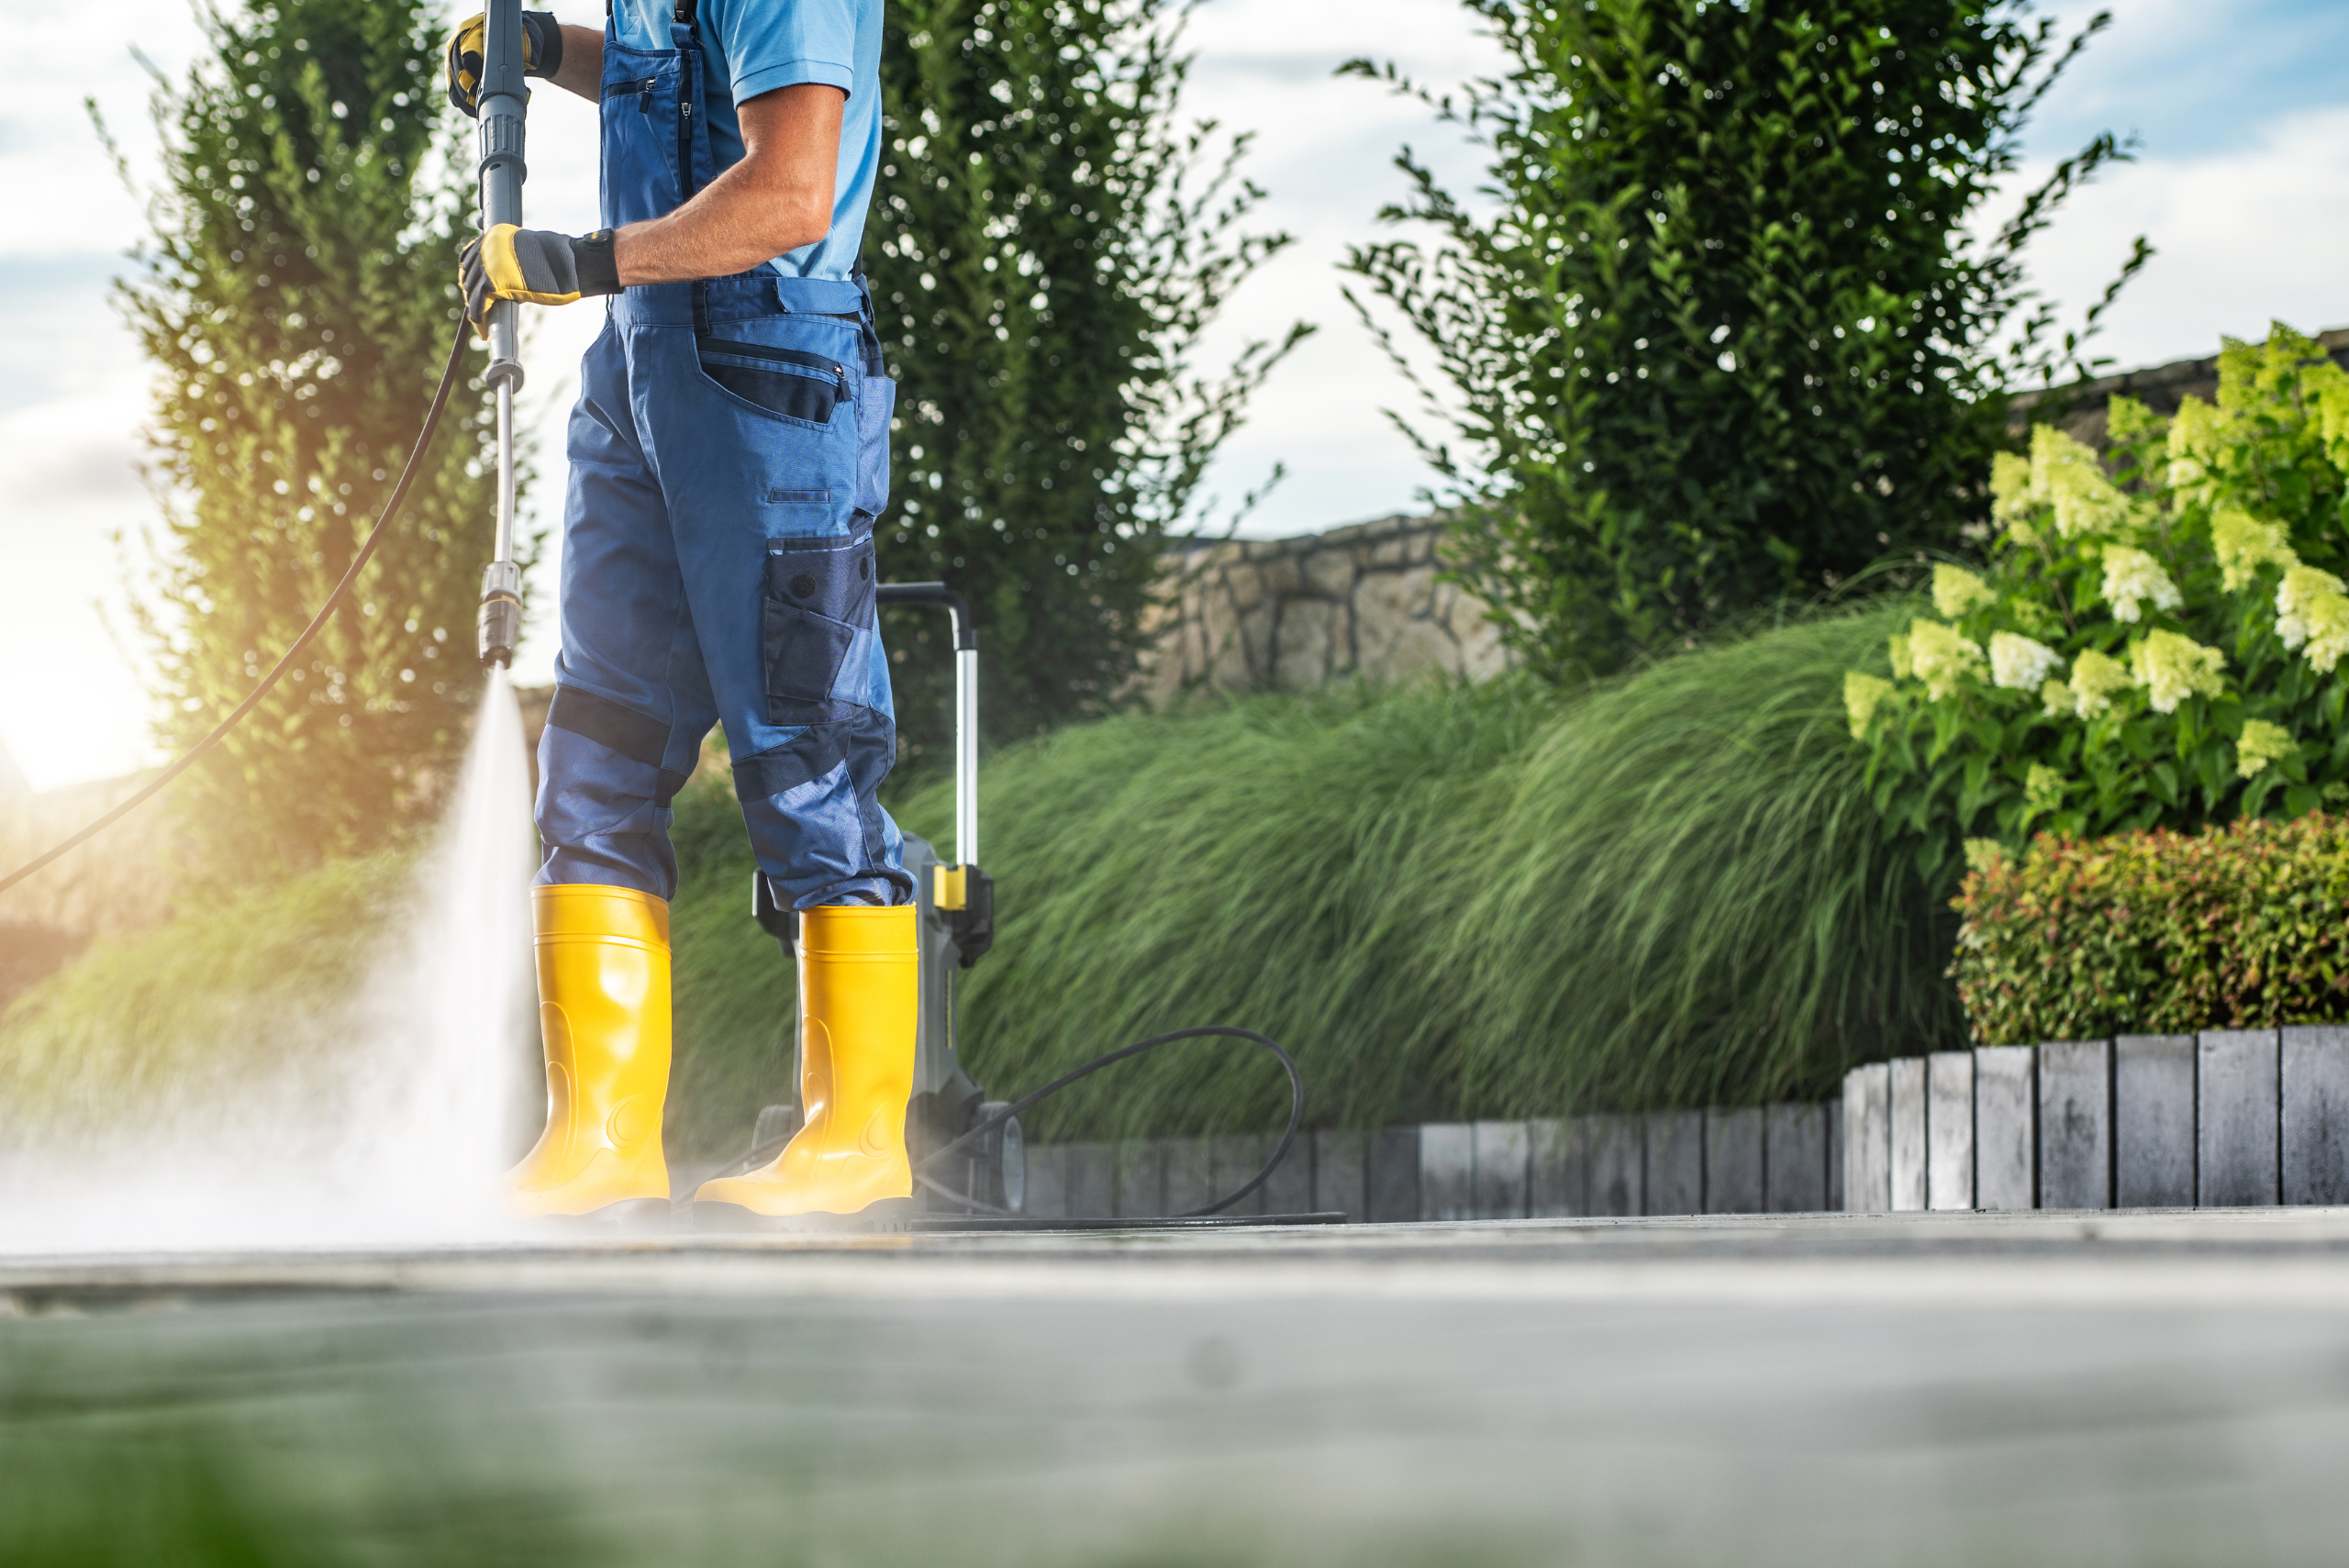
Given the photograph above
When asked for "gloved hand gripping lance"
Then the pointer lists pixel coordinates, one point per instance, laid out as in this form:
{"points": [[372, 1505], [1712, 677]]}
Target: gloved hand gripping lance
{"points": [[504, 98]]}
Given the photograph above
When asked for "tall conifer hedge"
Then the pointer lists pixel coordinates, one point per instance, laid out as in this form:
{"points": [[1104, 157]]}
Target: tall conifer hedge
{"points": [[295, 298]]}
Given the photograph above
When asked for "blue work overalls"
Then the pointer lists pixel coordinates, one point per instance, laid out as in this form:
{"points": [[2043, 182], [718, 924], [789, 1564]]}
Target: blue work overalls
{"points": [[728, 455]]}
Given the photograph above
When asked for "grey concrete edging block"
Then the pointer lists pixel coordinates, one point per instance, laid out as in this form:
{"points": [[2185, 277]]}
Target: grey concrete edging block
{"points": [[1835, 1156], [1289, 1189], [2153, 1121], [1341, 1173], [1504, 1168], [1794, 1157], [1142, 1179], [1673, 1164], [1867, 1139], [2315, 1080], [1190, 1174], [1231, 1161], [1092, 1181], [1395, 1174], [1617, 1164], [1949, 1129], [2076, 1124], [2237, 1117], [1447, 1170], [1559, 1160], [1047, 1196], [2006, 1127], [1908, 1133], [1733, 1160]]}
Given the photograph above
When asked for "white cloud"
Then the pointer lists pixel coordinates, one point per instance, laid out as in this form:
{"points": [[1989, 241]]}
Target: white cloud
{"points": [[2243, 237]]}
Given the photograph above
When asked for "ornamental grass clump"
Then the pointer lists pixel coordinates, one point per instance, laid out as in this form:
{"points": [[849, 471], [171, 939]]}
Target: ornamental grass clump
{"points": [[2158, 932], [2153, 639]]}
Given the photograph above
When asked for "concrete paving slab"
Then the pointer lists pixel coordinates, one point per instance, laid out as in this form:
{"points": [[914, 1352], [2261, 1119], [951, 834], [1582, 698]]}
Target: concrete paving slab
{"points": [[2028, 1388]]}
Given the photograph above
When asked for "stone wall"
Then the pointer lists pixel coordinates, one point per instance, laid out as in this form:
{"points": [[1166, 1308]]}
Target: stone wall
{"points": [[2159, 387], [1253, 615]]}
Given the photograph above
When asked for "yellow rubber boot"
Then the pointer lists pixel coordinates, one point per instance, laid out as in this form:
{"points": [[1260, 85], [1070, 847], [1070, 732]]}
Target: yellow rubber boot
{"points": [[604, 1012], [847, 1168]]}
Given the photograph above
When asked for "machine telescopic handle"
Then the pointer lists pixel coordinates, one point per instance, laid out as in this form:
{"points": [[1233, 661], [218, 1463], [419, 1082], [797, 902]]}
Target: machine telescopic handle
{"points": [[503, 101], [966, 703]]}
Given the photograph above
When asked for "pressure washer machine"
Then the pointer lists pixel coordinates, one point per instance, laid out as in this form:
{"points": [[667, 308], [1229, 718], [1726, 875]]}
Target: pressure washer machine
{"points": [[986, 1174]]}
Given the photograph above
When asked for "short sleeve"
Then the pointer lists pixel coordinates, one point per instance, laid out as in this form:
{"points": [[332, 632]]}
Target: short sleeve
{"points": [[787, 43]]}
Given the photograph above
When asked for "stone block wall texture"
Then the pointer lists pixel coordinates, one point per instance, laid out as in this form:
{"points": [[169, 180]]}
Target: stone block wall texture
{"points": [[1293, 614]]}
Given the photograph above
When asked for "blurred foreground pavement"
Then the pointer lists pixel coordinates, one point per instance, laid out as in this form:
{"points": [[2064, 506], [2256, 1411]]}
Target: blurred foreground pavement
{"points": [[1911, 1389]]}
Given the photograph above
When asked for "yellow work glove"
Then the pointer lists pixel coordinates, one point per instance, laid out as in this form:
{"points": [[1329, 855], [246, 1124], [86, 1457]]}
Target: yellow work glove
{"points": [[536, 265], [541, 55]]}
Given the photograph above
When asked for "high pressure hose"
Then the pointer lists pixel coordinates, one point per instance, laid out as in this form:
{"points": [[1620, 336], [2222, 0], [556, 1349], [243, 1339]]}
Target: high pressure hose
{"points": [[286, 662], [768, 1150]]}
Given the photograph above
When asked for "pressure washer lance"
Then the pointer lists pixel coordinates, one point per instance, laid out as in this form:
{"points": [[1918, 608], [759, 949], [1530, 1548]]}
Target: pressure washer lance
{"points": [[505, 98]]}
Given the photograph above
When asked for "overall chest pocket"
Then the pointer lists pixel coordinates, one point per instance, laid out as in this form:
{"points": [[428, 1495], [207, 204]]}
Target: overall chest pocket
{"points": [[789, 382], [819, 596]]}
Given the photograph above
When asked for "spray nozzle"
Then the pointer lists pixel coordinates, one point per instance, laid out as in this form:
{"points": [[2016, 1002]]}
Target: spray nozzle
{"points": [[501, 613]]}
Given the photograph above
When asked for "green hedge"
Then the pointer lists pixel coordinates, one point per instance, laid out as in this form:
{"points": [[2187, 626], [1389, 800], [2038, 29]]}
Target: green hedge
{"points": [[2158, 933], [1450, 901]]}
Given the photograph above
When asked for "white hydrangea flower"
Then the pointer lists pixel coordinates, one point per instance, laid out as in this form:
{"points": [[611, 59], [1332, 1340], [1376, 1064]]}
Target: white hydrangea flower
{"points": [[2262, 744], [2172, 668], [2012, 498], [2197, 434], [1860, 695], [2019, 663], [1896, 647], [2058, 700], [1957, 591], [2131, 578], [1941, 656], [2069, 476], [2312, 610], [2097, 679], [2244, 544]]}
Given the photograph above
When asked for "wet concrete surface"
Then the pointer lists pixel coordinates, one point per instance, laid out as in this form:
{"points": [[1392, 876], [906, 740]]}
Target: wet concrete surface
{"points": [[1918, 1388]]}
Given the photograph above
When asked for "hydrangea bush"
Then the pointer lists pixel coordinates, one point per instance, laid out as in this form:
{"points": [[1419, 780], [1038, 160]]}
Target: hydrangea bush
{"points": [[2154, 637]]}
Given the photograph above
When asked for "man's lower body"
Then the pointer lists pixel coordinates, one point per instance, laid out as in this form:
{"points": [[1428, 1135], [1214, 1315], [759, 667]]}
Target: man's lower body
{"points": [[728, 455]]}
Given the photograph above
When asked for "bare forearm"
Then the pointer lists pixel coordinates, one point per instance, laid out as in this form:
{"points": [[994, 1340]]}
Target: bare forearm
{"points": [[777, 199], [582, 62]]}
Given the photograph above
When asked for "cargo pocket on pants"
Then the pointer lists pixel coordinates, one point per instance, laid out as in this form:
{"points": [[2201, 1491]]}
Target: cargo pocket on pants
{"points": [[819, 596]]}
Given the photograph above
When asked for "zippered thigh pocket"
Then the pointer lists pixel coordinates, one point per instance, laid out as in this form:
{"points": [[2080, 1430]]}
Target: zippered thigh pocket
{"points": [[790, 382]]}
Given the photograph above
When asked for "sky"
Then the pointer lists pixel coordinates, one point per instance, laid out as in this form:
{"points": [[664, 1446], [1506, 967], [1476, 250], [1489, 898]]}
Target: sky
{"points": [[2240, 107]]}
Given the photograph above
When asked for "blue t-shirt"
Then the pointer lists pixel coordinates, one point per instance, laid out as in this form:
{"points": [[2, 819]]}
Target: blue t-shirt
{"points": [[760, 45]]}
